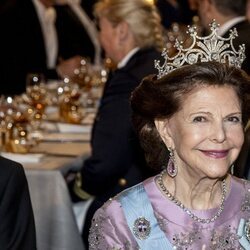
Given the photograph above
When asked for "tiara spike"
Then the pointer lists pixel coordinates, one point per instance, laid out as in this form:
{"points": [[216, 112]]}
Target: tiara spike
{"points": [[203, 49]]}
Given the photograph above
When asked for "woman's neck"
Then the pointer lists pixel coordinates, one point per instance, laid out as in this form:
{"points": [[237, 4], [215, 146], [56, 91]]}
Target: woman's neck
{"points": [[197, 194]]}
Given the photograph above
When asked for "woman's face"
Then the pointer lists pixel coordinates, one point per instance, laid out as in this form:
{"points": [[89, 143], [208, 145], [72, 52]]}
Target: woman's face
{"points": [[109, 38], [207, 134]]}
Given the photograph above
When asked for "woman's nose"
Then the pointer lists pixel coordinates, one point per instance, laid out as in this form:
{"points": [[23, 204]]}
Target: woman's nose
{"points": [[218, 133]]}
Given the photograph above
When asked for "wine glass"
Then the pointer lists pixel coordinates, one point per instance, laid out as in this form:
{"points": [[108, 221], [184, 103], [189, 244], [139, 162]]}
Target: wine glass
{"points": [[36, 97], [70, 109], [33, 79]]}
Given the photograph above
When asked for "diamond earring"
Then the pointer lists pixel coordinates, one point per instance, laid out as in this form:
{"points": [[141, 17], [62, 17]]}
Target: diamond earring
{"points": [[171, 167], [232, 169]]}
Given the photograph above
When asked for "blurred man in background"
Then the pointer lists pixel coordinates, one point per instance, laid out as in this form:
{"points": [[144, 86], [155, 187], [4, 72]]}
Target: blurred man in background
{"points": [[39, 37], [229, 14]]}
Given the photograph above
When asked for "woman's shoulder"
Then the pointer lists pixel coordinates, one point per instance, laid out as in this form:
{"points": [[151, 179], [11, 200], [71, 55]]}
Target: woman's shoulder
{"points": [[114, 207], [109, 229], [240, 190], [146, 57], [109, 221], [240, 183], [142, 63]]}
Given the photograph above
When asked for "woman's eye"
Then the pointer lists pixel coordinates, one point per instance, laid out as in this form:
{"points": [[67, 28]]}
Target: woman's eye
{"points": [[199, 119], [235, 119]]}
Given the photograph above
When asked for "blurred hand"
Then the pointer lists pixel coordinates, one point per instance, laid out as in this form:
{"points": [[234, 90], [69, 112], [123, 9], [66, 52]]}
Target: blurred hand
{"points": [[67, 67]]}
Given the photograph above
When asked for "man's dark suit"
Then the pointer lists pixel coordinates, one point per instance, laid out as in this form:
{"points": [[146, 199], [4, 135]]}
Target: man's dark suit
{"points": [[22, 47], [88, 6], [243, 29], [117, 161], [17, 229]]}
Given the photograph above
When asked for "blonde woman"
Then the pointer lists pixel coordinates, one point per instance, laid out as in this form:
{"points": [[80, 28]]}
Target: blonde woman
{"points": [[130, 34]]}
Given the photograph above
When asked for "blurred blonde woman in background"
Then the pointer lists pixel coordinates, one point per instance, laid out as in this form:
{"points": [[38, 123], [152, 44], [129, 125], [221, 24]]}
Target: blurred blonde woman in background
{"points": [[131, 35]]}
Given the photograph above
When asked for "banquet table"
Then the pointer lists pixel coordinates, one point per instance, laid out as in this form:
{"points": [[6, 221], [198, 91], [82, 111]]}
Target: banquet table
{"points": [[45, 166], [56, 226], [49, 146]]}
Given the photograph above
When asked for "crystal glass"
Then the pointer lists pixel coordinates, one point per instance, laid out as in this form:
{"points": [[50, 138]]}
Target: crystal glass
{"points": [[70, 109], [34, 79], [36, 98]]}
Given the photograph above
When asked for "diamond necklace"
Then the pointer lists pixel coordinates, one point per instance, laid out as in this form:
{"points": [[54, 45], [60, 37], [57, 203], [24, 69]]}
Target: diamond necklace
{"points": [[191, 215]]}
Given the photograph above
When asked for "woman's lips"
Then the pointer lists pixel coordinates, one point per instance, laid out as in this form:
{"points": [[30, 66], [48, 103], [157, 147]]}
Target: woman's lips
{"points": [[215, 153]]}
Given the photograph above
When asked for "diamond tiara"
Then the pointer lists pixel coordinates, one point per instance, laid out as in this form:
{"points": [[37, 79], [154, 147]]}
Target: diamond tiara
{"points": [[203, 49]]}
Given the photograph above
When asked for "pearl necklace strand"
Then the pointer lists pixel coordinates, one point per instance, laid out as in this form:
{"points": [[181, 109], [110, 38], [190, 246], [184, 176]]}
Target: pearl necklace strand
{"points": [[192, 215]]}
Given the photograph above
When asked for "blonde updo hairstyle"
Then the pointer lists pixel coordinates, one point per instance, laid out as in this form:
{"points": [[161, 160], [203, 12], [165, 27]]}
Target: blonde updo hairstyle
{"points": [[142, 17]]}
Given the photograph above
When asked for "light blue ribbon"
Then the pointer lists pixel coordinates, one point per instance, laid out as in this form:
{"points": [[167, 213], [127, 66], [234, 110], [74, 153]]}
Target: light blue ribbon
{"points": [[241, 233], [135, 204]]}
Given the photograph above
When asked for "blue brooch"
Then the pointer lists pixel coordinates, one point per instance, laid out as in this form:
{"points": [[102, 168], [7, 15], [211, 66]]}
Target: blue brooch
{"points": [[141, 228]]}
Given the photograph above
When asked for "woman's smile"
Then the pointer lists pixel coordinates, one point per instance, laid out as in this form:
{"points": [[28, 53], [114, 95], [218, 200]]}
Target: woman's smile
{"points": [[215, 153]]}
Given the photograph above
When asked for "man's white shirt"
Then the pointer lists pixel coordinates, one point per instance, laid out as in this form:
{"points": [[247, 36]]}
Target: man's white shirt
{"points": [[47, 17]]}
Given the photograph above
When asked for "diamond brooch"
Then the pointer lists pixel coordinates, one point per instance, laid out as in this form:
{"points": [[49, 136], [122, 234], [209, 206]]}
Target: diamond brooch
{"points": [[141, 228]]}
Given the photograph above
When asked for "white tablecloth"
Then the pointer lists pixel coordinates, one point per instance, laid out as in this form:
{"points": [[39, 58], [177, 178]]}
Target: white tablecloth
{"points": [[56, 226], [55, 222]]}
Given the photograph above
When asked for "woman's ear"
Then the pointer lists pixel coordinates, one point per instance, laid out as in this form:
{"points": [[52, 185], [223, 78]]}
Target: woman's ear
{"points": [[162, 127], [123, 30]]}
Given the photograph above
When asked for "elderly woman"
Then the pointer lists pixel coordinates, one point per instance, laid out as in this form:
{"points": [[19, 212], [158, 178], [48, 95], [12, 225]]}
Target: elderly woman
{"points": [[196, 112], [130, 34]]}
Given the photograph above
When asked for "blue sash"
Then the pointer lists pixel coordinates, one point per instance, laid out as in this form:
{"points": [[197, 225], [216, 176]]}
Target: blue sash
{"points": [[135, 204]]}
